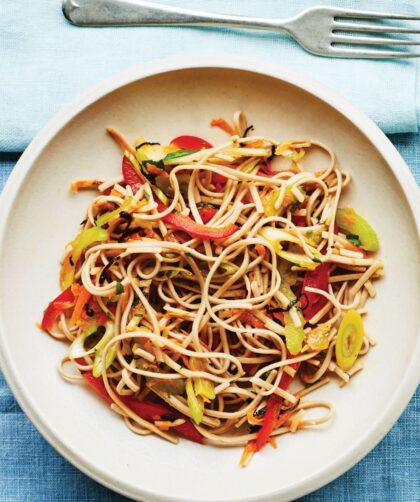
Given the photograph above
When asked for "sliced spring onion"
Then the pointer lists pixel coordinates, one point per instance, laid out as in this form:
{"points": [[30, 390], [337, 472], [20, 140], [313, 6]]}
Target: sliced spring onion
{"points": [[80, 243], [112, 215], [161, 195], [98, 363], [348, 220], [349, 340], [203, 388], [294, 334], [229, 268], [85, 239], [174, 271], [149, 151], [195, 404], [275, 236], [268, 203], [167, 386], [77, 348], [248, 168]]}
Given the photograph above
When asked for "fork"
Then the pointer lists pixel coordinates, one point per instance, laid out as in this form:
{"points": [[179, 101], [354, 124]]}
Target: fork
{"points": [[325, 31]]}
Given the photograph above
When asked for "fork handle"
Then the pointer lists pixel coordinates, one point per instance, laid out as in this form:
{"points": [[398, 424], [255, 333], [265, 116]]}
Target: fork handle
{"points": [[137, 12]]}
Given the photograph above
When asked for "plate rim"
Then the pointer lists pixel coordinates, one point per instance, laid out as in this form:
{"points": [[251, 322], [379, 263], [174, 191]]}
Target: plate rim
{"points": [[361, 121]]}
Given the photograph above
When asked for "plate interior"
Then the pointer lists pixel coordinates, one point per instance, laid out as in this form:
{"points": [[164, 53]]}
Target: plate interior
{"points": [[45, 216]]}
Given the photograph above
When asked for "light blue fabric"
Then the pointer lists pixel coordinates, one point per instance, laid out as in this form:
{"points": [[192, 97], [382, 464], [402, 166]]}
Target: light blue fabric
{"points": [[46, 62]]}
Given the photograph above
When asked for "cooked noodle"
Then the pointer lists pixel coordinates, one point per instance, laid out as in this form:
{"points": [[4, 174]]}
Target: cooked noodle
{"points": [[196, 309]]}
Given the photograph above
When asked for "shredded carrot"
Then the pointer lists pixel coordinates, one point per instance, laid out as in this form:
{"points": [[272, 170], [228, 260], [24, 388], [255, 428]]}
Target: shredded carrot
{"points": [[256, 144], [352, 247], [148, 232], [82, 298], [288, 198], [120, 140], [134, 237], [125, 297], [115, 193], [247, 454], [260, 249], [223, 125], [252, 419], [87, 184], [170, 148], [284, 417], [273, 442], [155, 170]]}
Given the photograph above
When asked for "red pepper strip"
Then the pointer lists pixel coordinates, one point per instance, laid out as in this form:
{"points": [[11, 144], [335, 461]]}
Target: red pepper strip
{"points": [[273, 408], [207, 213], [279, 316], [146, 410], [101, 318], [184, 223], [131, 176], [249, 318], [191, 143], [53, 311], [266, 169], [218, 179], [198, 229], [317, 278], [299, 221], [195, 229]]}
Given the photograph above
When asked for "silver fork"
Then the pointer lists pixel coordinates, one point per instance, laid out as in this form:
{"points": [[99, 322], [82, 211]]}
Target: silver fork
{"points": [[325, 31]]}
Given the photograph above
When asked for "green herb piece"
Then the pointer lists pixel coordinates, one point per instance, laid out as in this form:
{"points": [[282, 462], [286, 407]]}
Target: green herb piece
{"points": [[229, 268], [177, 154], [354, 239], [294, 205]]}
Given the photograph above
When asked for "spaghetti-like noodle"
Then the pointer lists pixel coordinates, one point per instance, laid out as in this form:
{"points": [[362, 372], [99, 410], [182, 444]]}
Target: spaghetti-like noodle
{"points": [[205, 280]]}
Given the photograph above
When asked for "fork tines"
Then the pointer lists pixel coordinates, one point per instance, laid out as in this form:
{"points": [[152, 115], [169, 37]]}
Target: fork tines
{"points": [[348, 31]]}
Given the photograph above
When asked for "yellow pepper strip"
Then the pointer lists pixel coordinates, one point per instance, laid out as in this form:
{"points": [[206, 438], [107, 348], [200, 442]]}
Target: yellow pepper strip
{"points": [[318, 338]]}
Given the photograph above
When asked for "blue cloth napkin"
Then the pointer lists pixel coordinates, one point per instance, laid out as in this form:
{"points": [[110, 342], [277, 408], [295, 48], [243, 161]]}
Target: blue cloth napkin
{"points": [[31, 471], [46, 62]]}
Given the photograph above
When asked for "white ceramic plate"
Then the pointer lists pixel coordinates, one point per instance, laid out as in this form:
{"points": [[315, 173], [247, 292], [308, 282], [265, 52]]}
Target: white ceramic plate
{"points": [[39, 215]]}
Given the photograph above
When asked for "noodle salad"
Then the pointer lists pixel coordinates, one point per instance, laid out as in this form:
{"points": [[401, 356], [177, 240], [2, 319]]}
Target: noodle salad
{"points": [[212, 288]]}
